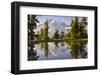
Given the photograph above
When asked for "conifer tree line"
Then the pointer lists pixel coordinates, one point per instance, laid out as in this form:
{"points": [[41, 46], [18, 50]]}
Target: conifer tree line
{"points": [[32, 54], [77, 31]]}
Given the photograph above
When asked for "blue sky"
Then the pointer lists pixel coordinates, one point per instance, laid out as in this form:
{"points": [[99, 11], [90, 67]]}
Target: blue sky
{"points": [[66, 19]]}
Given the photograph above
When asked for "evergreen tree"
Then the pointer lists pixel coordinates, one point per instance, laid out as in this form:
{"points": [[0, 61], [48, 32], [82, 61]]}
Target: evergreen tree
{"points": [[31, 26], [84, 23], [56, 35], [74, 29], [82, 28], [46, 30], [32, 54], [78, 30], [38, 35], [62, 34], [42, 33]]}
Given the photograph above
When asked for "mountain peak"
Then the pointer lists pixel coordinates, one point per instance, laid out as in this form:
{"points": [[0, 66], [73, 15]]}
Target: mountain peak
{"points": [[53, 26]]}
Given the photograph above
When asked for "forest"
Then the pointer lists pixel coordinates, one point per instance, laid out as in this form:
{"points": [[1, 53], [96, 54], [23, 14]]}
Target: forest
{"points": [[75, 38], [78, 30]]}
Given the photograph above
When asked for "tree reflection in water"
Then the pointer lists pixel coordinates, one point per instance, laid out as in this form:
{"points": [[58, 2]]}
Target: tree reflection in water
{"points": [[32, 54], [77, 49], [56, 43], [46, 50]]}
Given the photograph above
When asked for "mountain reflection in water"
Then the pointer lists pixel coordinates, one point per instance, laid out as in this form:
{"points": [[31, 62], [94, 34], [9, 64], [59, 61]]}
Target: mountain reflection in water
{"points": [[58, 50]]}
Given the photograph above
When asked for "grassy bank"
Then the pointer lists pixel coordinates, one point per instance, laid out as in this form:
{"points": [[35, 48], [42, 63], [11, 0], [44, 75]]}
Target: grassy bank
{"points": [[59, 40]]}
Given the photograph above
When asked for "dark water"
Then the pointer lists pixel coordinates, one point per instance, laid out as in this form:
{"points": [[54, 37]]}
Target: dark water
{"points": [[58, 50]]}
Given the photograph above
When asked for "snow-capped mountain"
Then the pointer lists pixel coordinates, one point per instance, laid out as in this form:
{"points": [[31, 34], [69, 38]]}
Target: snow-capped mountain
{"points": [[53, 26]]}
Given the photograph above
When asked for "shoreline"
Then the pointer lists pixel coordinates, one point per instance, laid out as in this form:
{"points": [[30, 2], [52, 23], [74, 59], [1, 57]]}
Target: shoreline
{"points": [[59, 40]]}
